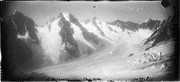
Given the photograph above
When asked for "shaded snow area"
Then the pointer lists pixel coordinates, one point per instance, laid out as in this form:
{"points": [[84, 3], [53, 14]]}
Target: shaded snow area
{"points": [[92, 49], [125, 59], [78, 35], [50, 41], [119, 62], [113, 33]]}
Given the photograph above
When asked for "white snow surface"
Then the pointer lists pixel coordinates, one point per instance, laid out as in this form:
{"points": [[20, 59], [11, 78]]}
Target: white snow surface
{"points": [[51, 41], [111, 66], [78, 35], [77, 31], [91, 28], [66, 16], [123, 59], [52, 45], [127, 35]]}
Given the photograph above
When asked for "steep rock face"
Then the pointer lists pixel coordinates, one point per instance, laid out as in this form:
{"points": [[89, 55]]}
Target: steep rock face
{"points": [[94, 27], [64, 38], [56, 39], [150, 24], [90, 37], [66, 34], [23, 26], [95, 24], [165, 32], [79, 30], [19, 37]]}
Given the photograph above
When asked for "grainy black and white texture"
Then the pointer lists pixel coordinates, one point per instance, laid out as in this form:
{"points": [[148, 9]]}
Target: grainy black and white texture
{"points": [[104, 40]]}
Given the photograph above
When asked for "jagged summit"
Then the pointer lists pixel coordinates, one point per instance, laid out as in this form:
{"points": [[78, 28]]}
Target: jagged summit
{"points": [[163, 33], [18, 14], [23, 25], [67, 16], [64, 39], [15, 14], [94, 18], [90, 20], [61, 15], [116, 22], [149, 19]]}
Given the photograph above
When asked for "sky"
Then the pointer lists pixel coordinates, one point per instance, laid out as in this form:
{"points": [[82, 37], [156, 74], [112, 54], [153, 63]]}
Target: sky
{"points": [[135, 11]]}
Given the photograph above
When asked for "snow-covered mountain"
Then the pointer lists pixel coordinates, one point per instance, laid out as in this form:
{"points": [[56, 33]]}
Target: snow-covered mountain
{"points": [[148, 24], [163, 33], [65, 38], [120, 30], [21, 49]]}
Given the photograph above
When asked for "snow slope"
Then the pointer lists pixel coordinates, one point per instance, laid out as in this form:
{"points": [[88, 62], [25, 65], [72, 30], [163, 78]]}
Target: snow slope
{"points": [[99, 49], [63, 32], [116, 66], [50, 41], [114, 33], [124, 59]]}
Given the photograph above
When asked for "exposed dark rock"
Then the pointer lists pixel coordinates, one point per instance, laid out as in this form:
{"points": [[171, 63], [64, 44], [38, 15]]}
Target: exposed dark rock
{"points": [[16, 52], [87, 35], [150, 24], [125, 25], [164, 33], [66, 35], [95, 24]]}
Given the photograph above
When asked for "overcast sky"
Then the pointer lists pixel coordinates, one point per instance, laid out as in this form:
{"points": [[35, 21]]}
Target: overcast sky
{"points": [[138, 12]]}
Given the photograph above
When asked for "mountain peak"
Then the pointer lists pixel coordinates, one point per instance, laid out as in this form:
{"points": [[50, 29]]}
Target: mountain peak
{"points": [[149, 19], [61, 15], [66, 15], [17, 13], [86, 21], [118, 21], [94, 18]]}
